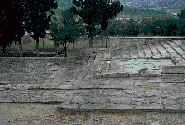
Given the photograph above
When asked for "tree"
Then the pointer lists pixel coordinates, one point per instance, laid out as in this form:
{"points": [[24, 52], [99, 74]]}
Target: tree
{"points": [[39, 13], [96, 12], [11, 22], [133, 28], [66, 28], [181, 15], [182, 19], [172, 29], [16, 17]]}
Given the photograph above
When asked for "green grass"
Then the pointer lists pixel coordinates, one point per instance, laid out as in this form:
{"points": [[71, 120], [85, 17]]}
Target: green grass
{"points": [[49, 46], [46, 45], [15, 46]]}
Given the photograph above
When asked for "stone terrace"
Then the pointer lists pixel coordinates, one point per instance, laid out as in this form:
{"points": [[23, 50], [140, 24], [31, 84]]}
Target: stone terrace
{"points": [[132, 75]]}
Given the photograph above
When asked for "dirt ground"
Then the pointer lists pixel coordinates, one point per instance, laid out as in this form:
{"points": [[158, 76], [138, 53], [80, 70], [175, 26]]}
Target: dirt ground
{"points": [[36, 114]]}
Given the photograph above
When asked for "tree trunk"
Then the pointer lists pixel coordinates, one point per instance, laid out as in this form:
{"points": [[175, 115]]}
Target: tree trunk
{"points": [[73, 45], [4, 51], [91, 41], [102, 39], [20, 48], [37, 46], [65, 49], [91, 33], [56, 45], [107, 42], [43, 43]]}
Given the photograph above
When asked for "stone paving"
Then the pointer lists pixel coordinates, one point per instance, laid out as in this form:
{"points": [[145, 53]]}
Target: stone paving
{"points": [[132, 75]]}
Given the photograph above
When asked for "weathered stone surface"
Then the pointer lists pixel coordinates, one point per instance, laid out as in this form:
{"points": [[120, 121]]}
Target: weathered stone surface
{"points": [[155, 123], [107, 80], [173, 69], [146, 82], [35, 114], [163, 52], [154, 50]]}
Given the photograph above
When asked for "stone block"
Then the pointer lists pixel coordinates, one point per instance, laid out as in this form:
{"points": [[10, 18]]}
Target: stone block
{"points": [[173, 69], [115, 75]]}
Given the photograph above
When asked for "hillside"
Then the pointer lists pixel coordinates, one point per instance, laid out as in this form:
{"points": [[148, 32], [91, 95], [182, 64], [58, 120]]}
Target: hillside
{"points": [[172, 6], [146, 8], [143, 13], [64, 4]]}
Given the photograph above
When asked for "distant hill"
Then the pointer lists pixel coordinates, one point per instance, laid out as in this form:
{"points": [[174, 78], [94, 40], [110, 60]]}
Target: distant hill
{"points": [[142, 8], [143, 13], [172, 6], [64, 4]]}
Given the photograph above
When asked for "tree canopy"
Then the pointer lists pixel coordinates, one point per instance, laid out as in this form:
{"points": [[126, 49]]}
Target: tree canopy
{"points": [[38, 16], [66, 27], [31, 16], [11, 21], [181, 14], [96, 12]]}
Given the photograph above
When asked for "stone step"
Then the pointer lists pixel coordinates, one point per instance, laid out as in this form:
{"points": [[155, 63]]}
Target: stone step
{"points": [[30, 65], [173, 69], [120, 83], [155, 52], [181, 45], [171, 50], [178, 42], [162, 50], [178, 49], [167, 97], [133, 52], [126, 53], [173, 78], [140, 50], [147, 51]]}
